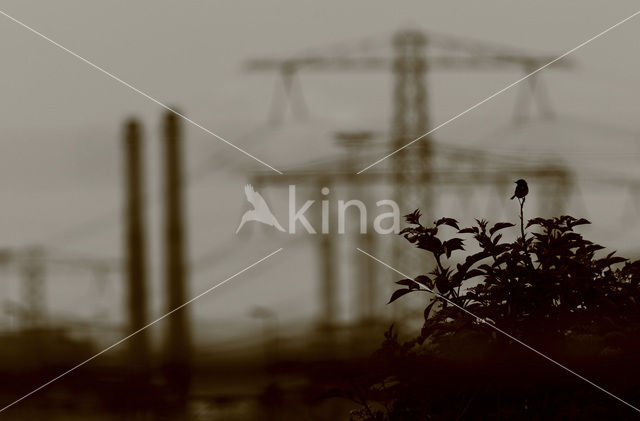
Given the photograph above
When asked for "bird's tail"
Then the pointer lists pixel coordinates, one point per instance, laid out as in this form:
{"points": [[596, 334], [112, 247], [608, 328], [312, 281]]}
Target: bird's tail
{"points": [[513, 197]]}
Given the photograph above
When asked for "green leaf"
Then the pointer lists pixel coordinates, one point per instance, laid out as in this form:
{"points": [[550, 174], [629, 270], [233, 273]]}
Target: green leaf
{"points": [[442, 283], [499, 226], [407, 231], [398, 293], [424, 280], [536, 221], [615, 259], [473, 273], [432, 244], [580, 221], [451, 245], [482, 224], [409, 283], [472, 230], [447, 221], [591, 248], [413, 218]]}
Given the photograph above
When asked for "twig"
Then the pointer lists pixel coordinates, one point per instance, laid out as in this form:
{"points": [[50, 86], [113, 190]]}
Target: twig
{"points": [[522, 221], [524, 240]]}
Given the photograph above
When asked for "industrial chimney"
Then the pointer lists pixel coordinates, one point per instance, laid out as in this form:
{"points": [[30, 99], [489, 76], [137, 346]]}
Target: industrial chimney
{"points": [[177, 361]]}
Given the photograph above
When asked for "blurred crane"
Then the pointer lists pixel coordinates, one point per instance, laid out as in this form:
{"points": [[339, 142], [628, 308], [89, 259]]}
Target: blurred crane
{"points": [[414, 54], [32, 265], [409, 63]]}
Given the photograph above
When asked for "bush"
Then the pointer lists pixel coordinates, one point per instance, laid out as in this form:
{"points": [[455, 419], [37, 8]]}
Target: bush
{"points": [[553, 290]]}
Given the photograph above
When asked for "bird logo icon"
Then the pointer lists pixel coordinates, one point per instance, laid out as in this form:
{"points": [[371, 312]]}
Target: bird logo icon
{"points": [[522, 189], [260, 211]]}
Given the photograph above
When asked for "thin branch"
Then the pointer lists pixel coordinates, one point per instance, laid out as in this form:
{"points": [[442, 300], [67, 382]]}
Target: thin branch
{"points": [[522, 221], [522, 233]]}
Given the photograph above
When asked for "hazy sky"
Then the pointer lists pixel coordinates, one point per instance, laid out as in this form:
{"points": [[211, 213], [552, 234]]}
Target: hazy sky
{"points": [[60, 119]]}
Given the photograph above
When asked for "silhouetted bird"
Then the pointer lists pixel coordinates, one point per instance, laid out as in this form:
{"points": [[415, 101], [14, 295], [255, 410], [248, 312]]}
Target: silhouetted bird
{"points": [[260, 211], [521, 189]]}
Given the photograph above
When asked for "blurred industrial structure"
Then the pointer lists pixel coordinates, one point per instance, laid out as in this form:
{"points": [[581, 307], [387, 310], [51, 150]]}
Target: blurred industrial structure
{"points": [[417, 177], [419, 165]]}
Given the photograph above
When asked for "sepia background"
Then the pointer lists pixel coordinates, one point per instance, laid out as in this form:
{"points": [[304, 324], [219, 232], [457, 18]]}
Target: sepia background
{"points": [[65, 273]]}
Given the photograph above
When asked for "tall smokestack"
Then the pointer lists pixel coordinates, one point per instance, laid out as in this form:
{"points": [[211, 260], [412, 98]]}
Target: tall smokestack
{"points": [[135, 244], [177, 361]]}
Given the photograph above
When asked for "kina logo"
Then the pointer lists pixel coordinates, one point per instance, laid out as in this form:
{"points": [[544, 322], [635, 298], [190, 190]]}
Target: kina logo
{"points": [[260, 212]]}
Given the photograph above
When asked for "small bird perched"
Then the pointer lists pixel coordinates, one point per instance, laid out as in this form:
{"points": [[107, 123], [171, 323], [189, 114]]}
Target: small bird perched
{"points": [[522, 189]]}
